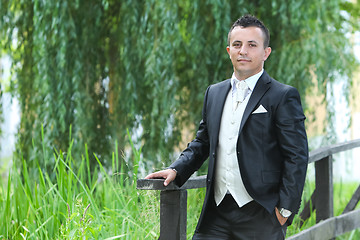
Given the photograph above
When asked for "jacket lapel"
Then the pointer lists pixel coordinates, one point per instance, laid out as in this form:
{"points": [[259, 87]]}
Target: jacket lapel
{"points": [[261, 87], [219, 102]]}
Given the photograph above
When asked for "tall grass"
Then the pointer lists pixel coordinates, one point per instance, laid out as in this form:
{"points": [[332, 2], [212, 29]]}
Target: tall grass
{"points": [[103, 204], [77, 204], [342, 195]]}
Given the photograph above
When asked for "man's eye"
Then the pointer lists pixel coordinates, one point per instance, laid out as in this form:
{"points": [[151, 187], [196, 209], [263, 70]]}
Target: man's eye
{"points": [[252, 45]]}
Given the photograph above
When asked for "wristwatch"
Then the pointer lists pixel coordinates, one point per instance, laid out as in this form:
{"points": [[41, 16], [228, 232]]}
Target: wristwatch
{"points": [[285, 213]]}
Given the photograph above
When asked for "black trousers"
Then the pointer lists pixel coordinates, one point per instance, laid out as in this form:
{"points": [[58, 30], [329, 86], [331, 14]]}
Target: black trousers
{"points": [[250, 222]]}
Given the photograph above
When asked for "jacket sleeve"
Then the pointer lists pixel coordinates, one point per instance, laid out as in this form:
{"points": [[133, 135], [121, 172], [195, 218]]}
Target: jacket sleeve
{"points": [[197, 151], [290, 130]]}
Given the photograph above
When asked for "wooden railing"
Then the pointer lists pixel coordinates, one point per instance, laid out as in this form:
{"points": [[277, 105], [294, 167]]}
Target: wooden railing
{"points": [[173, 201], [328, 226]]}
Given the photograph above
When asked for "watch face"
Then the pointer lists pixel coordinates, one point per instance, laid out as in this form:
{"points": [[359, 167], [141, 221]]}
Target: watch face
{"points": [[285, 213]]}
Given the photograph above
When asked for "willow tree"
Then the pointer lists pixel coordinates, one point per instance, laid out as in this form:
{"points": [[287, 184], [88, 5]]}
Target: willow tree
{"points": [[90, 70]]}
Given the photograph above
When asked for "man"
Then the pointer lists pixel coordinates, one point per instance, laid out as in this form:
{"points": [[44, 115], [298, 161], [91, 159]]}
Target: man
{"points": [[252, 130]]}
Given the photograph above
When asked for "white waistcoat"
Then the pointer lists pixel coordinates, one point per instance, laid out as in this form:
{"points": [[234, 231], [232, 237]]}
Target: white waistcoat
{"points": [[227, 172]]}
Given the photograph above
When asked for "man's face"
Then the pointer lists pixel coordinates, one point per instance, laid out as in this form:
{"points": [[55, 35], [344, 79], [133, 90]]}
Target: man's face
{"points": [[247, 51]]}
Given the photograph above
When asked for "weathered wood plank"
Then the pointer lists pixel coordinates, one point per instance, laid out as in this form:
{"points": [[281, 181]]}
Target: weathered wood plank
{"points": [[324, 200], [323, 152], [347, 222], [330, 228], [158, 184], [173, 215], [353, 201]]}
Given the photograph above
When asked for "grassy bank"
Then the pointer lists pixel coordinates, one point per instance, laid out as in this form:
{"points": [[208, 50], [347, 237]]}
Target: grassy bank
{"points": [[102, 205], [76, 204]]}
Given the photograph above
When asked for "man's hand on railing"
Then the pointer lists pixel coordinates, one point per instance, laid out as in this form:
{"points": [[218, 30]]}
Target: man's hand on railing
{"points": [[168, 174]]}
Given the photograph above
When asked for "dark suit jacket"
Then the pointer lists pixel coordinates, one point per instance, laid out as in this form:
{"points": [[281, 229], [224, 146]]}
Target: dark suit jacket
{"points": [[272, 147]]}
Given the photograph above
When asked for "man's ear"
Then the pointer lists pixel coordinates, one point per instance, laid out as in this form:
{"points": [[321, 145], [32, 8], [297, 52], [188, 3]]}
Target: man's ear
{"points": [[228, 51], [267, 53]]}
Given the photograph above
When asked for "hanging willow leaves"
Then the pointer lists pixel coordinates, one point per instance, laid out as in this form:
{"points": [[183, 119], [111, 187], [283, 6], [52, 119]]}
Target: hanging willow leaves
{"points": [[90, 70]]}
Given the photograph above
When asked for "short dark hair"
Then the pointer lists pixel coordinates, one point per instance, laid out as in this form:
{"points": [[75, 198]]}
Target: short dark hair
{"points": [[251, 21]]}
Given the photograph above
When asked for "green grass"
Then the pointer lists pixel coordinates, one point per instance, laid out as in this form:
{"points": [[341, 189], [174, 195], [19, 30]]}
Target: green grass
{"points": [[76, 204], [342, 195], [105, 204]]}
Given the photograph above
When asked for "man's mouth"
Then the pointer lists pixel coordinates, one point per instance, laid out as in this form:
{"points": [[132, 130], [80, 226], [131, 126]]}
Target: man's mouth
{"points": [[243, 60]]}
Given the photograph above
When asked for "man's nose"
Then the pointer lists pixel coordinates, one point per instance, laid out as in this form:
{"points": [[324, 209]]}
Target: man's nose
{"points": [[242, 50]]}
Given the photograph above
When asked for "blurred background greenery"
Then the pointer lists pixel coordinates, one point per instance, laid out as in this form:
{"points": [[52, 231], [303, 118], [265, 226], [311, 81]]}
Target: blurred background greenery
{"points": [[105, 66], [88, 74]]}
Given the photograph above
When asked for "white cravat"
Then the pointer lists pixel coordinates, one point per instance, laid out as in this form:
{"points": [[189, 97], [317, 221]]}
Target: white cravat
{"points": [[242, 90]]}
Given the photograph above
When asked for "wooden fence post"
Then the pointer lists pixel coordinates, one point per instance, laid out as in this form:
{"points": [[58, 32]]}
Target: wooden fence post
{"points": [[173, 214], [324, 200]]}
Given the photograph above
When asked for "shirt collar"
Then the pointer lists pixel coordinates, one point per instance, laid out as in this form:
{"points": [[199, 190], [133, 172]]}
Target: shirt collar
{"points": [[251, 81]]}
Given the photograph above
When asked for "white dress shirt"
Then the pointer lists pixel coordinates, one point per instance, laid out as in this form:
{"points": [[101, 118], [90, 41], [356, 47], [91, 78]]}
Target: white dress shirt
{"points": [[227, 172]]}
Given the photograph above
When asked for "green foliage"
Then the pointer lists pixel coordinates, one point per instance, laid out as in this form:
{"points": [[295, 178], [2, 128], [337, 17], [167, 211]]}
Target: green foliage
{"points": [[79, 224], [353, 10], [76, 204], [105, 66], [103, 205]]}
